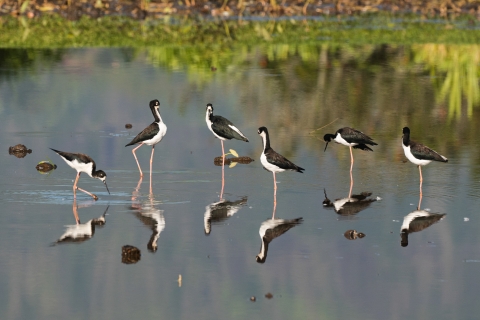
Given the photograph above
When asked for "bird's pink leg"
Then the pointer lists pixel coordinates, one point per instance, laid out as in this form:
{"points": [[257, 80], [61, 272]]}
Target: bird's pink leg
{"points": [[75, 188], [223, 170], [351, 185], [421, 179], [138, 164], [351, 159]]}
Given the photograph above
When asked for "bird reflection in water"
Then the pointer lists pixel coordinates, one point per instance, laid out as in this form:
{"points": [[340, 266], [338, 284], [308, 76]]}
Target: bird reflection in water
{"points": [[416, 221], [220, 211], [271, 229], [80, 232], [350, 205], [149, 215]]}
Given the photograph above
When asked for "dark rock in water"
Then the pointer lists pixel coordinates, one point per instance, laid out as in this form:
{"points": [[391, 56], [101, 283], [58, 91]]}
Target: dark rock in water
{"points": [[353, 234], [45, 166], [130, 254], [19, 151], [243, 160], [128, 126], [269, 296]]}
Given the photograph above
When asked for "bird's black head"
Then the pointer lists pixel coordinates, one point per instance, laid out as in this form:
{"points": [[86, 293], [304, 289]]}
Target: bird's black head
{"points": [[260, 260], [154, 103], [406, 130], [327, 138], [404, 235], [262, 129], [209, 109], [101, 175]]}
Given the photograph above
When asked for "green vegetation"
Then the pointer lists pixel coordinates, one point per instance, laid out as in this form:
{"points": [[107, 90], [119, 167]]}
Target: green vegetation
{"points": [[53, 31]]}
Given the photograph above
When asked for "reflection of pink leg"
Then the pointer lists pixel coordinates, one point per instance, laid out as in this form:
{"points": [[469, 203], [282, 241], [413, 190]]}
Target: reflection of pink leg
{"points": [[274, 206], [75, 211], [151, 162], [137, 189], [351, 159], [351, 185], [223, 170], [138, 164]]}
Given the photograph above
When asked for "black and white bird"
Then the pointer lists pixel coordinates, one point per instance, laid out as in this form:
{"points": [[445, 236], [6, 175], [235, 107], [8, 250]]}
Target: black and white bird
{"points": [[350, 205], [154, 219], [351, 138], [222, 128], [273, 161], [271, 229], [81, 232], [82, 163], [419, 154], [151, 135], [416, 221], [219, 211]]}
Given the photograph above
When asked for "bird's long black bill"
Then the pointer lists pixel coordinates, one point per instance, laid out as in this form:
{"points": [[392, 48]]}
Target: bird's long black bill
{"points": [[325, 147], [107, 187]]}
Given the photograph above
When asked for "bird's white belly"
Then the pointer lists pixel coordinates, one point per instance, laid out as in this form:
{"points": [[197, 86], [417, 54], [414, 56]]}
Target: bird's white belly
{"points": [[409, 155], [270, 167], [162, 130], [80, 166], [209, 125], [339, 139]]}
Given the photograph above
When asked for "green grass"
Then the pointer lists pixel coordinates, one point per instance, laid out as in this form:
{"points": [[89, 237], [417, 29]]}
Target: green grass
{"points": [[56, 32]]}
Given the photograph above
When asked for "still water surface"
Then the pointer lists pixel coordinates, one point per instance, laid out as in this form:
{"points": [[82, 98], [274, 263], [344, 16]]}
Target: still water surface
{"points": [[80, 101]]}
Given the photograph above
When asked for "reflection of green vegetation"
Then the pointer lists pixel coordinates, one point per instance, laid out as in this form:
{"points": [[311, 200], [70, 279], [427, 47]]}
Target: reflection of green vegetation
{"points": [[461, 64], [455, 69], [14, 60]]}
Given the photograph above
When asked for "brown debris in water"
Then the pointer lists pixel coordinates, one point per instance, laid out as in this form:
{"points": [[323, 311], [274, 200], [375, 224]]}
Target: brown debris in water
{"points": [[128, 126], [130, 254], [353, 235], [269, 296], [45, 166], [243, 160], [19, 151]]}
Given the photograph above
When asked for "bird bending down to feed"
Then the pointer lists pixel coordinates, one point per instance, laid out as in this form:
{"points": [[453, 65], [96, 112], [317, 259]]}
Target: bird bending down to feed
{"points": [[223, 129], [150, 136], [273, 161], [419, 154], [351, 138], [82, 163]]}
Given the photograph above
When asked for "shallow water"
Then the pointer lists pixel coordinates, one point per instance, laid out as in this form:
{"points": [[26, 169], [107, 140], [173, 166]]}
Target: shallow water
{"points": [[80, 100]]}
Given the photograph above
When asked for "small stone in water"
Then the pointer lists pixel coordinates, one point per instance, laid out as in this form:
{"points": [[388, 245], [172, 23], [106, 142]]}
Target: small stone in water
{"points": [[128, 126], [253, 299], [269, 296]]}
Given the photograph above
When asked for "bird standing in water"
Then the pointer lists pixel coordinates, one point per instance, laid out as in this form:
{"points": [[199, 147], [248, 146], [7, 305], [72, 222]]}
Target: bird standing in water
{"points": [[273, 161], [351, 138], [223, 129], [82, 163], [419, 154], [150, 136]]}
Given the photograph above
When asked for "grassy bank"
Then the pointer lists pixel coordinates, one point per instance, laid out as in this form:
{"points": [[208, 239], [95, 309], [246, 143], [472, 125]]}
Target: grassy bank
{"points": [[54, 31]]}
